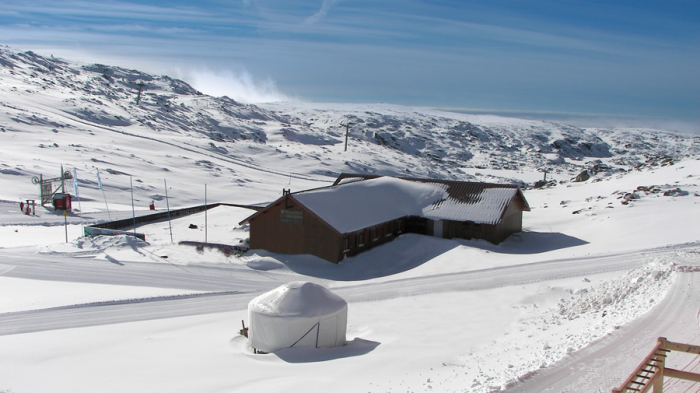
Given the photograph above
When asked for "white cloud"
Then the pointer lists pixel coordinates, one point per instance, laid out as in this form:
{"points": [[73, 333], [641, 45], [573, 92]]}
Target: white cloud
{"points": [[321, 13], [239, 85]]}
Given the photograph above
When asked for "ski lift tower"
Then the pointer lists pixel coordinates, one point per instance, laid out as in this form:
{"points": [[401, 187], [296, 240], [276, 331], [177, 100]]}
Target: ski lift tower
{"points": [[49, 187]]}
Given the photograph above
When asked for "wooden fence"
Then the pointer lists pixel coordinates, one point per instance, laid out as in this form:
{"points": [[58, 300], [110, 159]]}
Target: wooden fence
{"points": [[652, 371]]}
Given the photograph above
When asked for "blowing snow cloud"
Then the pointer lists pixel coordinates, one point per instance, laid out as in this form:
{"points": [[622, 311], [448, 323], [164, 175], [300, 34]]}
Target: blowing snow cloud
{"points": [[240, 85]]}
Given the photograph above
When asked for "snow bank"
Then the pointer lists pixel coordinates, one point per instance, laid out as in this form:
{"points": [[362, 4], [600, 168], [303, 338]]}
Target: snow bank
{"points": [[545, 336]]}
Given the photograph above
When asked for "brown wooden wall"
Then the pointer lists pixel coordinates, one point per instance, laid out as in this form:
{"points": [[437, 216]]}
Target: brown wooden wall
{"points": [[366, 238], [270, 231], [290, 228], [512, 220]]}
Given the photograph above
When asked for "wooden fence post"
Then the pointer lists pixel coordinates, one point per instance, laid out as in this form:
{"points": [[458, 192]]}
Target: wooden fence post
{"points": [[661, 363]]}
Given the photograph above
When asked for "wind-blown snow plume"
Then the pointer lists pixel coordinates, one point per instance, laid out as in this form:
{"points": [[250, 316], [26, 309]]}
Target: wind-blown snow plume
{"points": [[239, 85]]}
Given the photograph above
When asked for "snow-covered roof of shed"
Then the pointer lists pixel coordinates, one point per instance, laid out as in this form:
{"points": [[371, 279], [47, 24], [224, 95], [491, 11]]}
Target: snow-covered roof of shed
{"points": [[298, 299], [352, 206]]}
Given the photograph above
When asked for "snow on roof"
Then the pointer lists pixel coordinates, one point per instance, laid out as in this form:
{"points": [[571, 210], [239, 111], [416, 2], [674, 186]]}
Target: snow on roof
{"points": [[486, 208], [297, 299], [353, 206], [356, 205]]}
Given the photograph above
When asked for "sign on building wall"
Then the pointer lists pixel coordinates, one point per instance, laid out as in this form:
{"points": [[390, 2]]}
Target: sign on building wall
{"points": [[295, 217]]}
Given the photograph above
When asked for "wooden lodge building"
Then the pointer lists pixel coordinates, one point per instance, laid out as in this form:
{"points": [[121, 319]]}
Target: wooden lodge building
{"points": [[359, 212]]}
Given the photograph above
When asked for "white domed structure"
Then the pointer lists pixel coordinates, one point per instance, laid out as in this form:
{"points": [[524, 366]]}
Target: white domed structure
{"points": [[297, 314]]}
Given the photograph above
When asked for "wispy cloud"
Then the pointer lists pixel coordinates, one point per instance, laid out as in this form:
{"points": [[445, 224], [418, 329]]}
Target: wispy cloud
{"points": [[321, 13], [536, 55], [112, 9], [142, 28]]}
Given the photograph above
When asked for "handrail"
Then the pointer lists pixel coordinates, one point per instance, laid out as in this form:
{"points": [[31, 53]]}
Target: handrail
{"points": [[659, 371], [647, 380]]}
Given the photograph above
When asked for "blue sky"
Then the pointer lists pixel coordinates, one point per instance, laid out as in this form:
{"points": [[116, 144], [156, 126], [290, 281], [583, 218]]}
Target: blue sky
{"points": [[590, 59]]}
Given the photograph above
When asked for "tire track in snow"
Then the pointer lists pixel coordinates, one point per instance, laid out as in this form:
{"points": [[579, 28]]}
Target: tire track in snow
{"points": [[135, 310], [606, 363]]}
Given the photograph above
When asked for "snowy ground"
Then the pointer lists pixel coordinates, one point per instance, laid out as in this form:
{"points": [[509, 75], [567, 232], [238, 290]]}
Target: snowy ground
{"points": [[572, 304], [465, 315]]}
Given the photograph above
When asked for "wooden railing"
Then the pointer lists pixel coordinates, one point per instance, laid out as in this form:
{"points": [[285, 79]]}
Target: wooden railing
{"points": [[651, 372]]}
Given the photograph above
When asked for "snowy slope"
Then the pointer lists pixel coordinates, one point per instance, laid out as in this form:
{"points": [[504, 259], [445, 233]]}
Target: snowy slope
{"points": [[601, 261], [86, 116]]}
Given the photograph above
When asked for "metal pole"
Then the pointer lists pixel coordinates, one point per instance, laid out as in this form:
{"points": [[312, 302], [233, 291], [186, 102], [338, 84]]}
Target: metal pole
{"points": [[205, 213], [63, 181], [65, 223], [106, 204], [133, 213], [99, 182], [167, 203], [77, 194]]}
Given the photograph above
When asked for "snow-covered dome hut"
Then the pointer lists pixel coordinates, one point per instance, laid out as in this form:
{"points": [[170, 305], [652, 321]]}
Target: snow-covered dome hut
{"points": [[297, 314]]}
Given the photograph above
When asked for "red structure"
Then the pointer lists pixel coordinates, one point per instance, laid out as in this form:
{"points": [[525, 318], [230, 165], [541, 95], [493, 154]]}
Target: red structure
{"points": [[62, 202]]}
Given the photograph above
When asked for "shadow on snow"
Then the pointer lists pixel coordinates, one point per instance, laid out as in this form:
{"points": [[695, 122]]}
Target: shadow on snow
{"points": [[356, 347], [405, 253], [527, 243]]}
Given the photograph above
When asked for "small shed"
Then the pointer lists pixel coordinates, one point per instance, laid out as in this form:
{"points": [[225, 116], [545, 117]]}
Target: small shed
{"points": [[62, 201], [297, 314]]}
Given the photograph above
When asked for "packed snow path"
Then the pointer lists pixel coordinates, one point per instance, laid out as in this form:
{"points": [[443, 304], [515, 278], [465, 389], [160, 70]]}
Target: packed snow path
{"points": [[589, 368], [234, 286]]}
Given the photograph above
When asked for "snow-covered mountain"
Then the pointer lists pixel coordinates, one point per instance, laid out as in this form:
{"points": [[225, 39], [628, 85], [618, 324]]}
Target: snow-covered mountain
{"points": [[608, 260], [60, 106]]}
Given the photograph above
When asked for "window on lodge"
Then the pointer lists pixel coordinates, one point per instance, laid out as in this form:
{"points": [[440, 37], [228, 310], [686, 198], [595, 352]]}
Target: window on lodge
{"points": [[373, 233]]}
